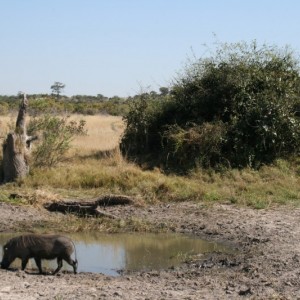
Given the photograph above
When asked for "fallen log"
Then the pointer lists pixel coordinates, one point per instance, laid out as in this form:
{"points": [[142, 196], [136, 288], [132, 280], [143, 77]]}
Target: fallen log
{"points": [[89, 207], [73, 207]]}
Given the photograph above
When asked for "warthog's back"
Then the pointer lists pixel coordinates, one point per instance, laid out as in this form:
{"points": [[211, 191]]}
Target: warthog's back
{"points": [[44, 246]]}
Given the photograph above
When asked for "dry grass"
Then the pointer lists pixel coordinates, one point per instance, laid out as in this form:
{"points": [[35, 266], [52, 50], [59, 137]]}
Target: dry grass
{"points": [[6, 123], [71, 223], [103, 133]]}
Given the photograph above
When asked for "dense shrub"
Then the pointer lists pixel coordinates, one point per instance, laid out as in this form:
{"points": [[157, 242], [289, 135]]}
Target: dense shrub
{"points": [[196, 145], [55, 136], [143, 125], [236, 108]]}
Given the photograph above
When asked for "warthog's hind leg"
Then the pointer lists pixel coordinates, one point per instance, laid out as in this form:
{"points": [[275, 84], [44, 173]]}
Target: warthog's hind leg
{"points": [[38, 262]]}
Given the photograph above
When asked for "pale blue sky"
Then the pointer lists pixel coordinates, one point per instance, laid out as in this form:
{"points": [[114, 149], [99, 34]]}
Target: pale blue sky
{"points": [[120, 47]]}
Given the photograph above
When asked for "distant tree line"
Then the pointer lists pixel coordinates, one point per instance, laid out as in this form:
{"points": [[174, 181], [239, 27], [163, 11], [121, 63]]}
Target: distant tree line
{"points": [[81, 104]]}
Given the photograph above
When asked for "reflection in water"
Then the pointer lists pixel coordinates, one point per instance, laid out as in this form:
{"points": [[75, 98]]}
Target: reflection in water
{"points": [[108, 253]]}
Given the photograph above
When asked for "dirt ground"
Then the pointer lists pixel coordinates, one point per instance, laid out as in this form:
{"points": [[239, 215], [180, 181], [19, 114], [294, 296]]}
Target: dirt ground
{"points": [[266, 266]]}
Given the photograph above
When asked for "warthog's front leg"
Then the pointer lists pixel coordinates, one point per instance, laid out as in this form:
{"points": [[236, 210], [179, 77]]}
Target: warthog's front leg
{"points": [[59, 265], [24, 262]]}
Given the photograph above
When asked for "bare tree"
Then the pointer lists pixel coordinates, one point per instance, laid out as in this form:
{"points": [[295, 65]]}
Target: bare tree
{"points": [[16, 147]]}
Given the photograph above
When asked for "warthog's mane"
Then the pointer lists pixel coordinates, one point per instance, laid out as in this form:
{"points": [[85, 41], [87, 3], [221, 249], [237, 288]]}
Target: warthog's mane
{"points": [[35, 240]]}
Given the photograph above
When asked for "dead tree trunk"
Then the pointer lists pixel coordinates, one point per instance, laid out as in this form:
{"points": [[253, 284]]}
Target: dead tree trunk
{"points": [[16, 148]]}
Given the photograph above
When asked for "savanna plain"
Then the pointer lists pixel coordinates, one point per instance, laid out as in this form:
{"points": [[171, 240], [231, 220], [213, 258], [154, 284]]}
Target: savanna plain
{"points": [[254, 212]]}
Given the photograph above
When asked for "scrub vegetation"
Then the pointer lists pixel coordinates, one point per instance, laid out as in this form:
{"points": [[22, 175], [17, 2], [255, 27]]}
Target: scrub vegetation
{"points": [[227, 131], [90, 170]]}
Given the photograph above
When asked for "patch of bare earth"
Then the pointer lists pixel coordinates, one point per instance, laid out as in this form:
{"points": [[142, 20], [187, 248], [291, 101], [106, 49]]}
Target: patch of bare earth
{"points": [[265, 266]]}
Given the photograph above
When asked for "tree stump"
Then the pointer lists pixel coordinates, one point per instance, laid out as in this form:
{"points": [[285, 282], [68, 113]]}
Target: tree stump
{"points": [[16, 148]]}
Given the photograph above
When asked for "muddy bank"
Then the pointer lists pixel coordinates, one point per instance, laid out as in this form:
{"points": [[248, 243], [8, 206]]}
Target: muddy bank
{"points": [[266, 266]]}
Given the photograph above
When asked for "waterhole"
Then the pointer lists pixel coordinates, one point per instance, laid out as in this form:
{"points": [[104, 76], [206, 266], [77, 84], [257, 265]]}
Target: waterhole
{"points": [[110, 253]]}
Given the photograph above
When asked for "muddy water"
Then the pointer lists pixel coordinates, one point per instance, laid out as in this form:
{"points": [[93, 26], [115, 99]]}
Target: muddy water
{"points": [[109, 253]]}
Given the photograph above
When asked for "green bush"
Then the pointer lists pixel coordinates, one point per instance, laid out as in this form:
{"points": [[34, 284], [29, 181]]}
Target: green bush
{"points": [[202, 143], [236, 108], [143, 121], [55, 136]]}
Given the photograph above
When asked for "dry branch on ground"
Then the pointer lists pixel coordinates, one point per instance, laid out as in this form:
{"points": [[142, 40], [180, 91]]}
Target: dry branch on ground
{"points": [[90, 207]]}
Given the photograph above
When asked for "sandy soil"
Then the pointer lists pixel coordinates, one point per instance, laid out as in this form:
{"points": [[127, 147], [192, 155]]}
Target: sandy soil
{"points": [[266, 266]]}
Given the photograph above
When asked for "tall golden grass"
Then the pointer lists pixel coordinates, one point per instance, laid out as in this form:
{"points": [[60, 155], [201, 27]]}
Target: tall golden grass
{"points": [[6, 124], [103, 133]]}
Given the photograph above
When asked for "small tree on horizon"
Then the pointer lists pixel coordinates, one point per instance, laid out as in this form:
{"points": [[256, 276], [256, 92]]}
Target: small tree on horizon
{"points": [[57, 88], [164, 91]]}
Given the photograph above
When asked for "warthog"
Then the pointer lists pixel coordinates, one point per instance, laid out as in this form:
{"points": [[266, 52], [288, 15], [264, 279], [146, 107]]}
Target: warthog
{"points": [[39, 246]]}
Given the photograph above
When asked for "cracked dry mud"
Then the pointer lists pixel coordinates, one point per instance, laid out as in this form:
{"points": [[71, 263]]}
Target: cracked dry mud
{"points": [[265, 266]]}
